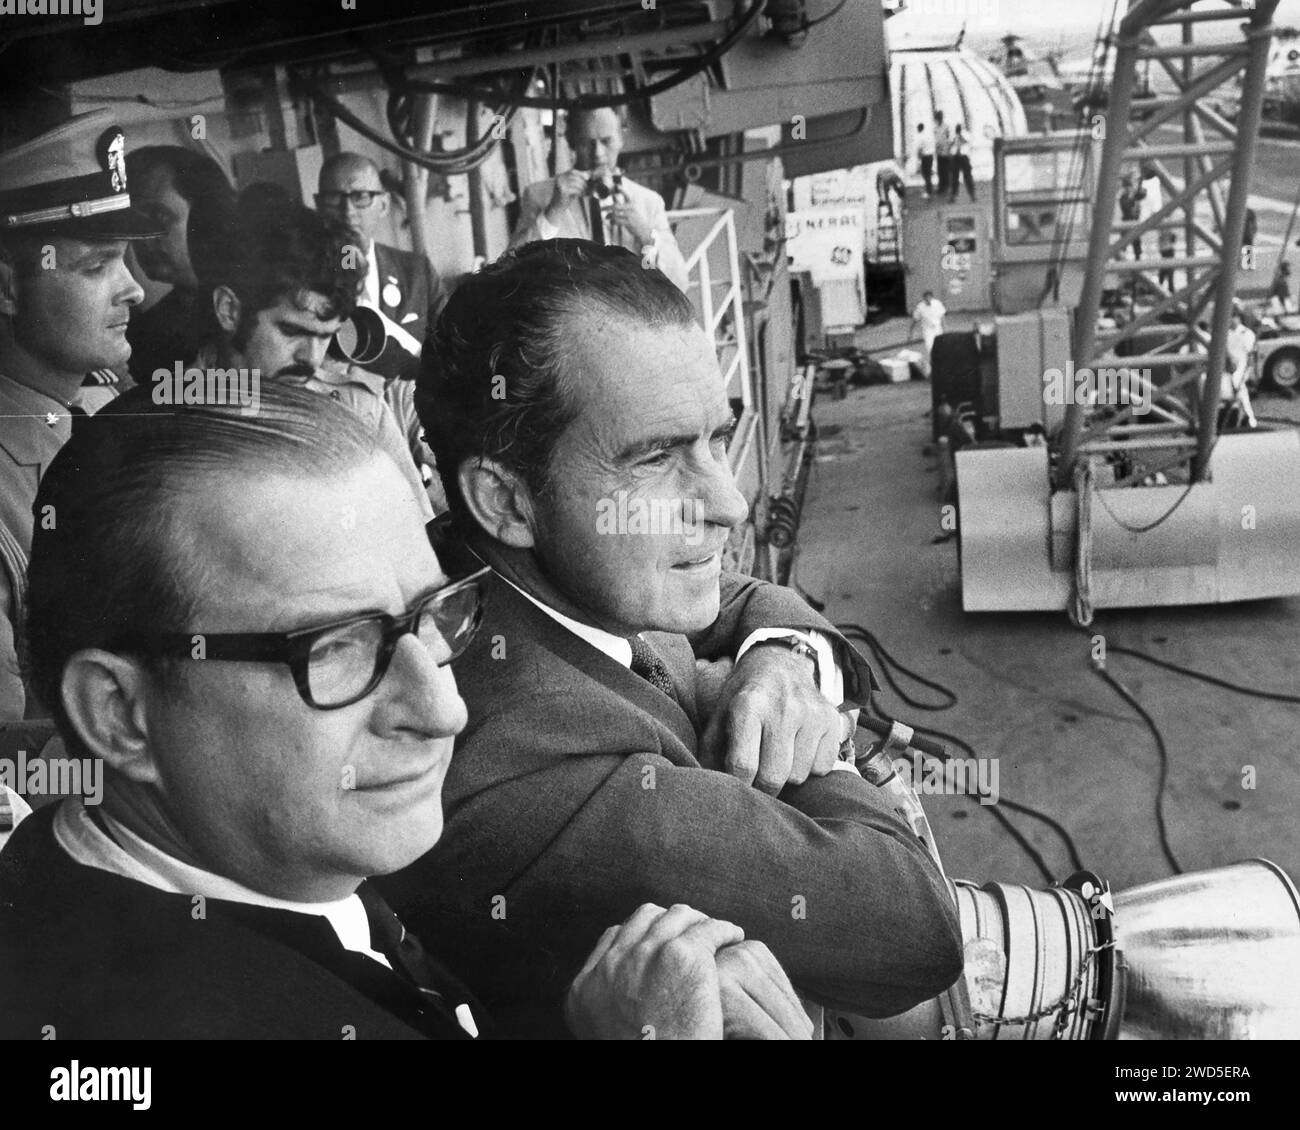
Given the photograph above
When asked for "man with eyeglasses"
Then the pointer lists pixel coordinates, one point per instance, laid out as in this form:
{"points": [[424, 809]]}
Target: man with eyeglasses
{"points": [[243, 617], [401, 285], [595, 200]]}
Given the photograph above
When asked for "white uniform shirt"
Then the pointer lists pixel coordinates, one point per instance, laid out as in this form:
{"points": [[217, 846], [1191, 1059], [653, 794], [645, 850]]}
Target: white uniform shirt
{"points": [[930, 315]]}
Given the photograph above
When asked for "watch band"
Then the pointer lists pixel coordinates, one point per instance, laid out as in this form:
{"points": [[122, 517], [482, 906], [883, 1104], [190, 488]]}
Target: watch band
{"points": [[799, 646]]}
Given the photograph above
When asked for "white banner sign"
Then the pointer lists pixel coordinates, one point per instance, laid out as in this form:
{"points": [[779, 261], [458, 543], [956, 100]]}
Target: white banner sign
{"points": [[828, 242]]}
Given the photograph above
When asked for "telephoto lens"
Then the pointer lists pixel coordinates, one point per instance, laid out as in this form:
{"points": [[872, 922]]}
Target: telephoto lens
{"points": [[371, 341]]}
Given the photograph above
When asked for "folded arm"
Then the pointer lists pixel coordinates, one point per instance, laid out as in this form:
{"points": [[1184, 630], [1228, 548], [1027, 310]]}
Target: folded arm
{"points": [[775, 720], [845, 897]]}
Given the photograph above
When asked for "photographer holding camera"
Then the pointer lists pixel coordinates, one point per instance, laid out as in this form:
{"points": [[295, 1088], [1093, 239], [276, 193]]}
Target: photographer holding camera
{"points": [[595, 201]]}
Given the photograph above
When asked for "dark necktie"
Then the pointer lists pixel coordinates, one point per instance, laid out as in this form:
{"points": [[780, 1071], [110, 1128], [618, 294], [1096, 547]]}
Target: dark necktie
{"points": [[407, 956], [650, 667], [597, 220]]}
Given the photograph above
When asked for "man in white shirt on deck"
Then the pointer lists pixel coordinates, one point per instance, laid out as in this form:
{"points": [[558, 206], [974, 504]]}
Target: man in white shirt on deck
{"points": [[1232, 385], [929, 315]]}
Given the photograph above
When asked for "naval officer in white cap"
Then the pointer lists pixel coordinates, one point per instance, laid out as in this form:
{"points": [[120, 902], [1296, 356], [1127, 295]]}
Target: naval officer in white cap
{"points": [[65, 299]]}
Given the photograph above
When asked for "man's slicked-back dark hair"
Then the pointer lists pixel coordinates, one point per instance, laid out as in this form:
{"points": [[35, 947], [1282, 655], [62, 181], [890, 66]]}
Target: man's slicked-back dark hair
{"points": [[202, 183], [113, 549], [276, 247], [194, 175], [495, 380]]}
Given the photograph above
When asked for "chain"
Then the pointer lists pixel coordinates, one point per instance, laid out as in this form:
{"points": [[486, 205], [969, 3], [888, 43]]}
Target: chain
{"points": [[1064, 1007]]}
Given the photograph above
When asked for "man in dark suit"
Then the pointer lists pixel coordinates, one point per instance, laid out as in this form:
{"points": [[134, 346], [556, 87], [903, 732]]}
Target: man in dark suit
{"points": [[243, 618], [187, 194], [580, 423], [401, 285]]}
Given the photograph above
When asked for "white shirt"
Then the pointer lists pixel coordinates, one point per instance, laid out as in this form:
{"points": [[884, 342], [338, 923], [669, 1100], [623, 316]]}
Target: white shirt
{"points": [[1239, 345], [616, 647], [930, 315], [13, 810], [650, 251], [126, 854], [370, 295], [620, 650], [1154, 199]]}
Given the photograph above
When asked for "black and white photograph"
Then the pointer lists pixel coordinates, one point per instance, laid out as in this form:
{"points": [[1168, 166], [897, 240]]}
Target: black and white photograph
{"points": [[642, 520]]}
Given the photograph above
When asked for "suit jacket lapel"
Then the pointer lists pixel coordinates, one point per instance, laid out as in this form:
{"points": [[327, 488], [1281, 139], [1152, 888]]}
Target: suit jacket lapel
{"points": [[393, 989], [578, 653], [384, 265]]}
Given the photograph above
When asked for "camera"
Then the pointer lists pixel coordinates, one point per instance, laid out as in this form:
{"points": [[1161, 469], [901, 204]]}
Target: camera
{"points": [[603, 189], [374, 342]]}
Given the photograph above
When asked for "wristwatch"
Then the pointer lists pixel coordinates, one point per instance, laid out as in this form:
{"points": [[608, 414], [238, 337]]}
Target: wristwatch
{"points": [[799, 646]]}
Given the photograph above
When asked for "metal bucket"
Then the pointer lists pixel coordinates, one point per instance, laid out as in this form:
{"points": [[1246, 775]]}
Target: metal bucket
{"points": [[1211, 955]]}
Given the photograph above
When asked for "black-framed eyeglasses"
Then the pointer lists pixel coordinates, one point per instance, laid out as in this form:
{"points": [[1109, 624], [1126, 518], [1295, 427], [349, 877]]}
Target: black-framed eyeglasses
{"points": [[360, 199], [339, 663]]}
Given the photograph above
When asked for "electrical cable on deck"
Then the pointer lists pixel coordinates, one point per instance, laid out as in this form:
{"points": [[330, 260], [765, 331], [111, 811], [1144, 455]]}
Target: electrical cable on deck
{"points": [[885, 663]]}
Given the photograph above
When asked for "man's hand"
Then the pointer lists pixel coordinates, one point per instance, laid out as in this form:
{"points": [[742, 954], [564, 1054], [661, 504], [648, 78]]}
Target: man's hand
{"points": [[656, 977], [758, 1001], [680, 975], [628, 215], [772, 726], [568, 187]]}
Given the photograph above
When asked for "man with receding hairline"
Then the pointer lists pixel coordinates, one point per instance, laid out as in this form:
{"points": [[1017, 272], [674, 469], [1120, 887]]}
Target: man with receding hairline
{"points": [[401, 285], [594, 200], [644, 723]]}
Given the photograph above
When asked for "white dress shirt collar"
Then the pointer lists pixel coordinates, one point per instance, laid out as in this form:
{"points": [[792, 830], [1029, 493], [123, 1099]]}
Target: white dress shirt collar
{"points": [[616, 647], [125, 853], [370, 295]]}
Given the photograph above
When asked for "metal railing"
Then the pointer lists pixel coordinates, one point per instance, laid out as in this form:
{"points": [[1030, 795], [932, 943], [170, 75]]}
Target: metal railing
{"points": [[723, 318]]}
